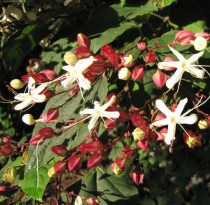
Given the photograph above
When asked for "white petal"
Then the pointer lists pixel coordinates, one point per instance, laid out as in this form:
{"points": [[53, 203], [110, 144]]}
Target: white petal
{"points": [[199, 73], [176, 64], [195, 57], [191, 119], [106, 105], [67, 68], [87, 112], [177, 76], [68, 81], [83, 82], [31, 83], [83, 64], [110, 114], [163, 108], [180, 107], [92, 122], [171, 133], [39, 89], [39, 98], [23, 104], [162, 122], [177, 54], [21, 96]]}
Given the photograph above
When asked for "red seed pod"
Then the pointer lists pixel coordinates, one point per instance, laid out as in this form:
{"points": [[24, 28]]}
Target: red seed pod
{"points": [[60, 167], [82, 52], [94, 160], [50, 74], [137, 73], [52, 114], [7, 149], [83, 40], [184, 37], [141, 46], [36, 139], [137, 175], [59, 150], [159, 78], [92, 201], [46, 132], [75, 163]]}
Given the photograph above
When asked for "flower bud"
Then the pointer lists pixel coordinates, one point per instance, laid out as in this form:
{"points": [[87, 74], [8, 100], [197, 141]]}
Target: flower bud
{"points": [[92, 201], [94, 160], [159, 78], [200, 43], [17, 84], [59, 150], [183, 37], [138, 134], [46, 132], [58, 168], [75, 163], [124, 74], [83, 40], [202, 124], [137, 73], [31, 16], [137, 175], [70, 58], [141, 46], [36, 139], [28, 119], [127, 60]]}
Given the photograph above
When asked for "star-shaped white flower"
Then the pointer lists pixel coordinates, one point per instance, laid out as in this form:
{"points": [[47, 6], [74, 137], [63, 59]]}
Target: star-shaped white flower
{"points": [[75, 73], [182, 65], [173, 118], [32, 96], [100, 111]]}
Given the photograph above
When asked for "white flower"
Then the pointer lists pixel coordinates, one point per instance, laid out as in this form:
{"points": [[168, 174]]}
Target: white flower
{"points": [[182, 65], [32, 96], [173, 118], [75, 73], [100, 111]]}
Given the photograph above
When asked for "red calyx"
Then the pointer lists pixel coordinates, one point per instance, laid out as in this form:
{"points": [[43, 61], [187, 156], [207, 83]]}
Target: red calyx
{"points": [[75, 163], [46, 132], [59, 150]]}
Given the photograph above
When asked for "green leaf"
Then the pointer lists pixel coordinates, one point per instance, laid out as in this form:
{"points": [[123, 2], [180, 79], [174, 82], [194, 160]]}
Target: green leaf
{"points": [[109, 189], [74, 136], [110, 35], [196, 26], [122, 2], [167, 3], [145, 9], [15, 49], [30, 186]]}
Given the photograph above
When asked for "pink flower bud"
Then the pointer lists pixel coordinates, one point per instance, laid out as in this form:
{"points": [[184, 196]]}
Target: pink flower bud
{"points": [[150, 58], [92, 201], [94, 160], [75, 163], [141, 46], [169, 59], [52, 114], [36, 139], [137, 73], [137, 175], [183, 37], [143, 144], [159, 78], [202, 34], [192, 140], [46, 132], [83, 40], [7, 149], [59, 150], [50, 74], [83, 52]]}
